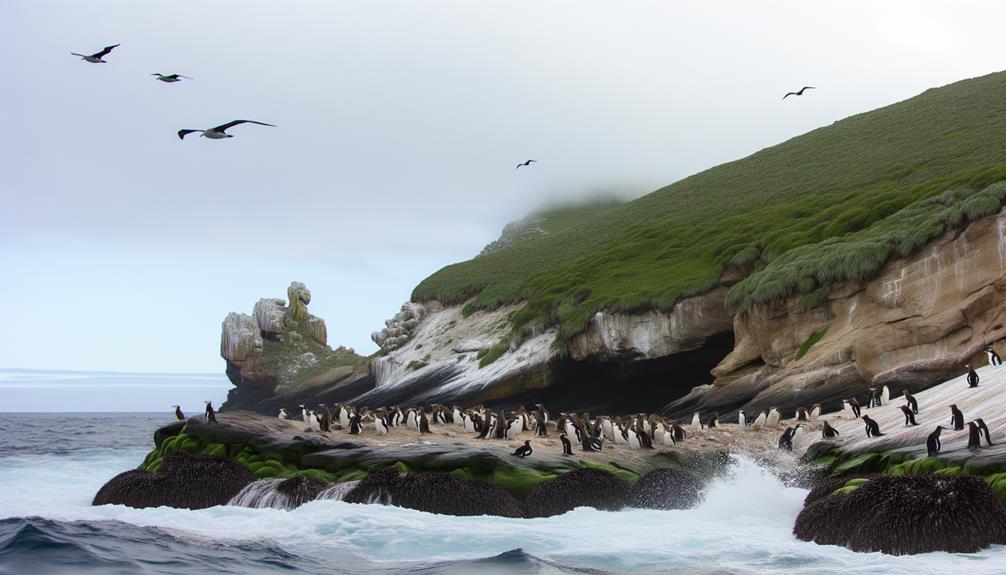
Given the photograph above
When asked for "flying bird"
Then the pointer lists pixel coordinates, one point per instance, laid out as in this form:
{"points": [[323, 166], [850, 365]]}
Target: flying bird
{"points": [[219, 132], [527, 163], [96, 57], [798, 92], [170, 77]]}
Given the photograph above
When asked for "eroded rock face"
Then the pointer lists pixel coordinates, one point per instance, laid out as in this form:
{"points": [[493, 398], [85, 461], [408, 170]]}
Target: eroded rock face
{"points": [[911, 326], [652, 334], [400, 328]]}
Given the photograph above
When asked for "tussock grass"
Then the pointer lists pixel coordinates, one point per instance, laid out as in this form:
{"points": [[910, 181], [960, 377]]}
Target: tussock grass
{"points": [[830, 205]]}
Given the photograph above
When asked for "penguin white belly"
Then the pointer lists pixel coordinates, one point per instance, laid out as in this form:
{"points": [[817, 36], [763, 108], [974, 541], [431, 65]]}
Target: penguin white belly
{"points": [[742, 420], [457, 417], [344, 418], [306, 415], [668, 438], [379, 426], [696, 422], [991, 358], [885, 396], [760, 420], [608, 430], [633, 440], [283, 415], [515, 428], [315, 424], [658, 436], [847, 410], [570, 431], [773, 418], [815, 413]]}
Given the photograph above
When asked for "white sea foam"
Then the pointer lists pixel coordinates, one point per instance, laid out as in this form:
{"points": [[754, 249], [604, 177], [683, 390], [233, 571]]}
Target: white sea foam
{"points": [[743, 526]]}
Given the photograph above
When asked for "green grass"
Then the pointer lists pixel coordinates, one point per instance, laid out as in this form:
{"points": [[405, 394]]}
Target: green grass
{"points": [[811, 340], [279, 358], [829, 205]]}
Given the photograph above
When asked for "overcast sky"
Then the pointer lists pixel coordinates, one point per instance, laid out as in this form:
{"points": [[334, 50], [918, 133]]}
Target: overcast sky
{"points": [[399, 125]]}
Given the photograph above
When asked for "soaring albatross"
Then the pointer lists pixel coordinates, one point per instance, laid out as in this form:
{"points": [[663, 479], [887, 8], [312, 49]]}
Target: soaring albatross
{"points": [[169, 78], [219, 132], [96, 58], [798, 92]]}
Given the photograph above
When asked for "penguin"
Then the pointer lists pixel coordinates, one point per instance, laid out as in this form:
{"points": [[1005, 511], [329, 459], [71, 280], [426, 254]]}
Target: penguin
{"points": [[786, 440], [696, 422], [801, 414], [568, 427], [514, 428], [956, 418], [668, 437], [856, 408], [714, 421], [872, 429], [524, 450], [542, 412], [587, 441], [974, 436], [567, 447], [211, 416], [607, 428], [760, 420], [354, 424], [424, 422], [380, 422], [540, 427], [178, 413], [283, 414], [411, 419], [644, 440], [324, 418], [912, 402], [345, 415], [847, 410], [305, 413], [499, 432], [314, 422], [486, 426], [773, 417], [994, 358], [872, 398], [933, 444], [885, 395], [633, 439], [909, 415], [815, 412], [972, 376], [827, 432], [677, 432], [742, 419], [985, 430]]}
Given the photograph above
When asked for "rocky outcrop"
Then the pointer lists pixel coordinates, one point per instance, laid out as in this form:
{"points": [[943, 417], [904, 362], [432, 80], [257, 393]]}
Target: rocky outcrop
{"points": [[434, 493], [184, 481], [279, 356], [911, 326], [667, 488], [399, 329], [902, 515]]}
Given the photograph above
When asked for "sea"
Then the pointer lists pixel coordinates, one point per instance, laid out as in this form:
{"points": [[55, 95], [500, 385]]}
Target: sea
{"points": [[52, 464]]}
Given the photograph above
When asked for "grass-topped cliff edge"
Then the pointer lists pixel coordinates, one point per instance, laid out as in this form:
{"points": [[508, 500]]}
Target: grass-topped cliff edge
{"points": [[830, 205]]}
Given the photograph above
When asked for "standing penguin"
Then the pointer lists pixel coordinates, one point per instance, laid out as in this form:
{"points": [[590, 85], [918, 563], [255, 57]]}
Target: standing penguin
{"points": [[354, 424], [567, 447], [801, 414], [933, 444], [815, 412], [524, 450], [885, 395], [540, 427], [742, 419], [912, 402], [760, 420], [714, 421], [856, 408], [773, 417], [956, 418], [909, 416], [994, 358], [677, 432], [696, 422], [974, 435], [424, 422], [381, 421], [786, 440], [872, 398], [828, 431], [972, 376], [211, 416], [283, 414], [178, 412], [985, 430], [872, 429]]}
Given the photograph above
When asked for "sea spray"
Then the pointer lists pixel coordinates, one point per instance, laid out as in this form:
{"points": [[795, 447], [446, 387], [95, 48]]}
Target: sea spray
{"points": [[265, 493]]}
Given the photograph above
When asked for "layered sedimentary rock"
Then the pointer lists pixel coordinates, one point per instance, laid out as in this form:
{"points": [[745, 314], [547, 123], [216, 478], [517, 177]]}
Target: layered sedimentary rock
{"points": [[914, 324]]}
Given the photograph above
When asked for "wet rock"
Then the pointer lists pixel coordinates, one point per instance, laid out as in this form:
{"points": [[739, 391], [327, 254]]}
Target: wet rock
{"points": [[667, 488], [434, 493], [299, 489], [903, 515], [184, 481], [578, 488]]}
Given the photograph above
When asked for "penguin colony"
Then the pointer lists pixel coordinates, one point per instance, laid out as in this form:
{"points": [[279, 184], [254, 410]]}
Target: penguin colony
{"points": [[640, 431]]}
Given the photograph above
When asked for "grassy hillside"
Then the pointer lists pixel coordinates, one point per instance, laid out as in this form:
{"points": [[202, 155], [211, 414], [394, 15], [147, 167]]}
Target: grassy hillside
{"points": [[829, 205], [549, 221]]}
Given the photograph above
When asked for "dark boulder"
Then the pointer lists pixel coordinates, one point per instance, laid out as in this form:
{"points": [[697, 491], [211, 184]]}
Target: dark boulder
{"points": [[667, 488], [185, 481], [169, 430], [578, 488], [824, 488], [903, 515], [300, 489], [434, 492]]}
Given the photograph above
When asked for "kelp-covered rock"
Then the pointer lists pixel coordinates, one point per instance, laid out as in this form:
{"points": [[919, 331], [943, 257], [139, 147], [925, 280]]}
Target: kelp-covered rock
{"points": [[904, 515], [184, 480], [434, 493], [578, 488], [824, 488], [300, 489], [667, 488]]}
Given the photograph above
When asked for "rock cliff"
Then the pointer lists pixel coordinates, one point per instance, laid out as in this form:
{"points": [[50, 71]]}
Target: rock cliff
{"points": [[914, 324]]}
